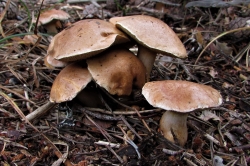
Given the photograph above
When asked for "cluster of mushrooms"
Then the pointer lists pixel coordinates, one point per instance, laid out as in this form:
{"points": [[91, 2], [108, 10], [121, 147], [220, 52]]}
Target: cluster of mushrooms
{"points": [[97, 50]]}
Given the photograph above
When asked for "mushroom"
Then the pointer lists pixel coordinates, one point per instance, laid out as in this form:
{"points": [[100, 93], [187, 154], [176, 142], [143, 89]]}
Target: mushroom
{"points": [[49, 19], [69, 82], [179, 98], [117, 70], [153, 36], [84, 39]]}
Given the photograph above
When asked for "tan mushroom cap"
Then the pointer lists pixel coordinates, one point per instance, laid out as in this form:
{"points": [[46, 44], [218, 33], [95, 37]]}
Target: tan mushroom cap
{"points": [[152, 33], [84, 39], [51, 62], [51, 15], [117, 70], [69, 82], [180, 96]]}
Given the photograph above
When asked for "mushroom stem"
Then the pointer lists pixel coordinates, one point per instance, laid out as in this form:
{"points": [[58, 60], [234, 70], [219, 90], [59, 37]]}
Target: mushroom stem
{"points": [[51, 28], [174, 127], [147, 57]]}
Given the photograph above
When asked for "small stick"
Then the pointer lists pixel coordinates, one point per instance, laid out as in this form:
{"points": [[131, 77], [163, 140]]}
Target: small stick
{"points": [[40, 111], [27, 97], [130, 127], [143, 121], [121, 112], [112, 145]]}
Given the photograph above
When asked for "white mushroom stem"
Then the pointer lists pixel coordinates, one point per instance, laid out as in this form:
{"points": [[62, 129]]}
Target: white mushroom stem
{"points": [[173, 125], [147, 57]]}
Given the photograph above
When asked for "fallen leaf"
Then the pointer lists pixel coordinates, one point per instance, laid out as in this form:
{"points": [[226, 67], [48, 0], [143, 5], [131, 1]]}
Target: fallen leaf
{"points": [[207, 115]]}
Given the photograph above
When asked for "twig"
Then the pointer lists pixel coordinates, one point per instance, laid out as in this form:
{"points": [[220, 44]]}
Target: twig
{"points": [[18, 94], [128, 140], [78, 1], [117, 112], [112, 145], [27, 97], [2, 16], [34, 72], [99, 116], [104, 133], [143, 121], [206, 135], [172, 152], [40, 111], [166, 2], [130, 127], [12, 143]]}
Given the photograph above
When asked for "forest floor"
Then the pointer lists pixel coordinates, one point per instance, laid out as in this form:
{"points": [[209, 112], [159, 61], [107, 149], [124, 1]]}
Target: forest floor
{"points": [[216, 37]]}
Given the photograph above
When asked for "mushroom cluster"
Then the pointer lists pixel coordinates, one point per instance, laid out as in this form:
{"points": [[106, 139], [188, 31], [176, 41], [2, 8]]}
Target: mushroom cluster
{"points": [[95, 50], [102, 48], [98, 50]]}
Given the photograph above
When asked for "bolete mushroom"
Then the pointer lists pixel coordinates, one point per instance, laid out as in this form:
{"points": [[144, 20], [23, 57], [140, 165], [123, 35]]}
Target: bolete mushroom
{"points": [[84, 39], [153, 36], [117, 70], [69, 82], [50, 19], [179, 98]]}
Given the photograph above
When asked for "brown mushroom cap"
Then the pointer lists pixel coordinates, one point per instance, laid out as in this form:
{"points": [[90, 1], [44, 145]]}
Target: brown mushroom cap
{"points": [[51, 62], [69, 82], [52, 14], [84, 39], [152, 33], [117, 70], [180, 96]]}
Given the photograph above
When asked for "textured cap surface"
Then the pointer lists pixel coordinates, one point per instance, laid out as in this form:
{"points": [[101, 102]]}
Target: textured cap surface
{"points": [[84, 39], [52, 14], [69, 82], [180, 96], [117, 70], [152, 33]]}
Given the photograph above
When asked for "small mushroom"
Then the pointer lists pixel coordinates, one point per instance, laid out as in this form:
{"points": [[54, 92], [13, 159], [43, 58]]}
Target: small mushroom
{"points": [[117, 70], [69, 82], [153, 36], [179, 98], [49, 19]]}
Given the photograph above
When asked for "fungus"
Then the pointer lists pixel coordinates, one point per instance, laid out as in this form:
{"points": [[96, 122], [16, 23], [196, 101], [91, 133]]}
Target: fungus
{"points": [[84, 39], [117, 70], [50, 19], [69, 82], [97, 35], [179, 98], [153, 36]]}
